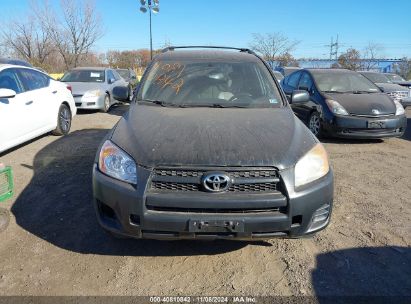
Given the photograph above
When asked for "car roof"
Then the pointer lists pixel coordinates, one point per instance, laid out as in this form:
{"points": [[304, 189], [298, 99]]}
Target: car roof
{"points": [[328, 71], [223, 55]]}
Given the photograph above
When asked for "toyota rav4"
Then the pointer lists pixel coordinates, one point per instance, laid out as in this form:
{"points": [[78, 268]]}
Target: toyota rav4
{"points": [[210, 148]]}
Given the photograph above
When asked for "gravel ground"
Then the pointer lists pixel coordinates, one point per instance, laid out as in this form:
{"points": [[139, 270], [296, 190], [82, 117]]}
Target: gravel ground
{"points": [[54, 246]]}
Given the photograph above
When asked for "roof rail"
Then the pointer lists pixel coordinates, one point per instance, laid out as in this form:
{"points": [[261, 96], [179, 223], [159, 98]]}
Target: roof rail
{"points": [[172, 48]]}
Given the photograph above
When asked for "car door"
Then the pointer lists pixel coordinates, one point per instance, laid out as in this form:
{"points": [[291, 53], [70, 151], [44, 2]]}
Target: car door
{"points": [[306, 84], [15, 113], [42, 99]]}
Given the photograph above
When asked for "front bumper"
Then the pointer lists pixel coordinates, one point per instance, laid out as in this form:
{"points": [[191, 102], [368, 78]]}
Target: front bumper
{"points": [[93, 103], [358, 126], [131, 211]]}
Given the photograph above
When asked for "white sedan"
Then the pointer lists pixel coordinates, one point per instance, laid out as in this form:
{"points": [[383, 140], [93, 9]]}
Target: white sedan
{"points": [[32, 104]]}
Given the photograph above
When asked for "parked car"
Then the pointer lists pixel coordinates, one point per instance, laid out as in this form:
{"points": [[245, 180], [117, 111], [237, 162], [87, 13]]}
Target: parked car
{"points": [[396, 91], [285, 71], [278, 76], [344, 103], [394, 78], [211, 149], [32, 104], [15, 62], [130, 77], [92, 87]]}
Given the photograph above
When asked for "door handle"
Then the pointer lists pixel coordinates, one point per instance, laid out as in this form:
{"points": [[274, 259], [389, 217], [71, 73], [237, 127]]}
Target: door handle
{"points": [[29, 103], [54, 92]]}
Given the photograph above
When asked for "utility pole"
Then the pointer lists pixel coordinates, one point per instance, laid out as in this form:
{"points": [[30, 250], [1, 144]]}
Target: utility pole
{"points": [[333, 49]]}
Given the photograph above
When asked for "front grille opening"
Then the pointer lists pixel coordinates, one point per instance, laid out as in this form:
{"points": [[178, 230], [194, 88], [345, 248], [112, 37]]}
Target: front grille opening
{"points": [[135, 219], [296, 221], [246, 180], [106, 210], [218, 210]]}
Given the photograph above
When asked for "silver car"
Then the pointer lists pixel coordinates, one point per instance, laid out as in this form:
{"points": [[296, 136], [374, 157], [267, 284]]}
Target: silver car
{"points": [[92, 87]]}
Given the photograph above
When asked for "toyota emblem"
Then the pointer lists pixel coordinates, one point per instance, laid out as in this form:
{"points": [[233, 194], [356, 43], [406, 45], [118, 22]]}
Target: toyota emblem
{"points": [[375, 111], [216, 182]]}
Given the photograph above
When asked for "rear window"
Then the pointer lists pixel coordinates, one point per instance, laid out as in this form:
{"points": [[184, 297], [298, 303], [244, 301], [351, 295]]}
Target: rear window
{"points": [[84, 76], [202, 83]]}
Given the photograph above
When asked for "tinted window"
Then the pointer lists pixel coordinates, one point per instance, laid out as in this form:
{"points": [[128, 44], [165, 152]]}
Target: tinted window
{"points": [[84, 76], [10, 80], [218, 83], [305, 82], [33, 80], [293, 79]]}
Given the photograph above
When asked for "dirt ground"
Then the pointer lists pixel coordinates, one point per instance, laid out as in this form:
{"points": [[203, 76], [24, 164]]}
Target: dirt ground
{"points": [[54, 246]]}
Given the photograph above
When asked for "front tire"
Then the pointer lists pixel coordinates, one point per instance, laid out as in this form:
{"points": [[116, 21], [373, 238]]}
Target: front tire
{"points": [[63, 121], [106, 106], [314, 124]]}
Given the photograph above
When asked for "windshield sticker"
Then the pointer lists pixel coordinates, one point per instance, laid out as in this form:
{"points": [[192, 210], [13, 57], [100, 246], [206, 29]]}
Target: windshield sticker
{"points": [[273, 100], [95, 75], [171, 76]]}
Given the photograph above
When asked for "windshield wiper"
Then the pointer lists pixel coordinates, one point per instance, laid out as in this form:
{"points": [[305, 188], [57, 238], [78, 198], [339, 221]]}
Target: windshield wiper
{"points": [[362, 92], [162, 103], [337, 92], [214, 105]]}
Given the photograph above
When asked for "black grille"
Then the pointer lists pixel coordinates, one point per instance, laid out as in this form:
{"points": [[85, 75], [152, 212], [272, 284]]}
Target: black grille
{"points": [[215, 210], [247, 180], [174, 186]]}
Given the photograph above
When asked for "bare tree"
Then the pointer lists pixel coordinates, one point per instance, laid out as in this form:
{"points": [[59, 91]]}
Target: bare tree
{"points": [[272, 45], [370, 55], [76, 32], [28, 39], [350, 60]]}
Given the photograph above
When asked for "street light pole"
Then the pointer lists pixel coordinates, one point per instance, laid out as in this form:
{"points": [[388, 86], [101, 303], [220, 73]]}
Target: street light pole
{"points": [[153, 6]]}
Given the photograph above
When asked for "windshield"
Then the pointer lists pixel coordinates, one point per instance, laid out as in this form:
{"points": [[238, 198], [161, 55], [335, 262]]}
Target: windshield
{"points": [[343, 83], [124, 73], [394, 78], [377, 77], [205, 83], [83, 76]]}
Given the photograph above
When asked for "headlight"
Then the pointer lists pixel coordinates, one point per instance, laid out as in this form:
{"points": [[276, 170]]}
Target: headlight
{"points": [[116, 163], [92, 94], [311, 166], [335, 107], [399, 109]]}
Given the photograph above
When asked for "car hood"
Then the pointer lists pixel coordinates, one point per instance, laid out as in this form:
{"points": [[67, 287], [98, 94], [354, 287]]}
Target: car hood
{"points": [[391, 87], [364, 104], [158, 136], [79, 88]]}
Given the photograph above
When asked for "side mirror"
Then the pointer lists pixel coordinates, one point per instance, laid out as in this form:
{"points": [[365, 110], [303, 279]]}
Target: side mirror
{"points": [[7, 93], [133, 77], [300, 96], [120, 93]]}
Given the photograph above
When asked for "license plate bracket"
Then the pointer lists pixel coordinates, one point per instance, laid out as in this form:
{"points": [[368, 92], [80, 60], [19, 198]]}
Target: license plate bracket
{"points": [[376, 124], [216, 226]]}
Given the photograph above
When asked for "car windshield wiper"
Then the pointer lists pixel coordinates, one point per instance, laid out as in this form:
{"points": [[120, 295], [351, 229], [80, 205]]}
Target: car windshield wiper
{"points": [[337, 92], [214, 105], [162, 103], [362, 92]]}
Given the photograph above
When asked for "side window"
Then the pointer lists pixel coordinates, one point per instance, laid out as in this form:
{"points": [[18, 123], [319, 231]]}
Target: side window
{"points": [[110, 75], [10, 80], [293, 79], [33, 80], [116, 75], [305, 82]]}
